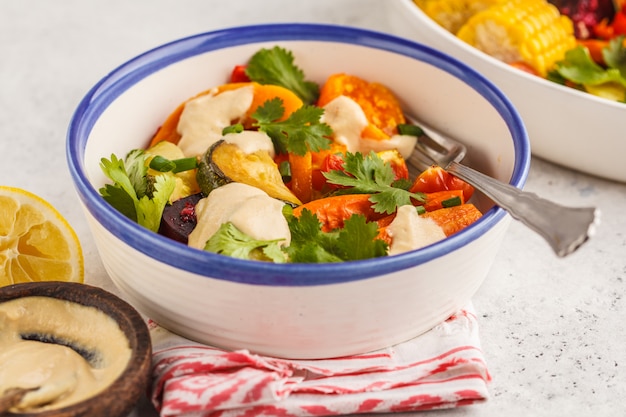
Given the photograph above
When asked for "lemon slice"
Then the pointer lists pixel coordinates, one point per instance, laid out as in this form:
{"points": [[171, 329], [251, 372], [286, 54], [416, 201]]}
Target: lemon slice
{"points": [[36, 242]]}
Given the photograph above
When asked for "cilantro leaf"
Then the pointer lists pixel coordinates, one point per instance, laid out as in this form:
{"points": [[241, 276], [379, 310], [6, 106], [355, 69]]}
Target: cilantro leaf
{"points": [[299, 133], [129, 192], [120, 200], [150, 207], [137, 170], [371, 175], [309, 244], [615, 55], [230, 241], [579, 67], [276, 66], [358, 239]]}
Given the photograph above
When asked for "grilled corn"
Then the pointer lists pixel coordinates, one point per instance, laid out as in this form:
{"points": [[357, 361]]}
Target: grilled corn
{"points": [[529, 31], [452, 14]]}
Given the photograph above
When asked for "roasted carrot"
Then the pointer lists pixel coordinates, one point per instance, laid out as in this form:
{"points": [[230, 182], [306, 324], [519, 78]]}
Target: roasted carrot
{"points": [[595, 47], [301, 176], [435, 200], [380, 105], [333, 211], [265, 92], [454, 219]]}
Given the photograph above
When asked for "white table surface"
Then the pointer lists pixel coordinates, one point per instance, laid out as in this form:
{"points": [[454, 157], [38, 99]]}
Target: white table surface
{"points": [[552, 329]]}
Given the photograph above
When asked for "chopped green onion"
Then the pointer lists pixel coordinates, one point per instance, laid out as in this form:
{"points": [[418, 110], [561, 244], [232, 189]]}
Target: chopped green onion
{"points": [[420, 209], [237, 128], [451, 202], [285, 170], [410, 130], [158, 163], [185, 164], [161, 164]]}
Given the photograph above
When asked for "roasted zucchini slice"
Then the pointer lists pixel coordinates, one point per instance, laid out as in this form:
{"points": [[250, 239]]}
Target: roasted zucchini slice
{"points": [[225, 162]]}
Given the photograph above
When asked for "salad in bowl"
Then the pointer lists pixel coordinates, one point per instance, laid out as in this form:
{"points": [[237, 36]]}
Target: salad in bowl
{"points": [[271, 166]]}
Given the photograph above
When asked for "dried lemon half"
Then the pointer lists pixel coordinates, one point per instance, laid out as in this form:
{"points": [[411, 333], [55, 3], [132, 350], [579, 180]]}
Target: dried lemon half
{"points": [[36, 242]]}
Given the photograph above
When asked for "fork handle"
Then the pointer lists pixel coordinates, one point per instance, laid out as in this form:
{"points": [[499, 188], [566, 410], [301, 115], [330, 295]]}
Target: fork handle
{"points": [[564, 228]]}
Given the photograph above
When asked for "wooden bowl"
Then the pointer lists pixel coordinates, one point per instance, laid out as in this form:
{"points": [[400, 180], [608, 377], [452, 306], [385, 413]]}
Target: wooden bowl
{"points": [[122, 395]]}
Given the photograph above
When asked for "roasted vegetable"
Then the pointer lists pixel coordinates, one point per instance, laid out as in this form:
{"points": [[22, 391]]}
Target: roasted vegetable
{"points": [[225, 162], [454, 219], [531, 31], [380, 105], [452, 14], [586, 14], [179, 218], [332, 212]]}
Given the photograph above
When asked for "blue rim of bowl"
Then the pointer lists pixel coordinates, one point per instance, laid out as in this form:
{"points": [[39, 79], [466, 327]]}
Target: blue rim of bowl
{"points": [[207, 264]]}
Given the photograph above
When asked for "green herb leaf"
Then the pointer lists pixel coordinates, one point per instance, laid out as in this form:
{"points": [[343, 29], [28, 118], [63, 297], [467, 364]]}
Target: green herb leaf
{"points": [[276, 66], [150, 208], [371, 175], [358, 239], [230, 241], [579, 67], [302, 131], [129, 193], [137, 170], [410, 130], [309, 244], [615, 55]]}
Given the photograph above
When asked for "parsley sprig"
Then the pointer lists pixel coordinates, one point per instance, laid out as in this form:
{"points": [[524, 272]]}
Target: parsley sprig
{"points": [[134, 193], [276, 66], [369, 174], [356, 240], [309, 244], [230, 241], [302, 131]]}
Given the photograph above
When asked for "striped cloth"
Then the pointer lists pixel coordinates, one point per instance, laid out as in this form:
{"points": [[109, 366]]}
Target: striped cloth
{"points": [[442, 368]]}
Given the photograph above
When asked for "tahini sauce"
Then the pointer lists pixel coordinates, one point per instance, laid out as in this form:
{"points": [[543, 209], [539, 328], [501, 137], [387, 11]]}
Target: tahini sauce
{"points": [[203, 118], [63, 375], [410, 231], [249, 208], [348, 120]]}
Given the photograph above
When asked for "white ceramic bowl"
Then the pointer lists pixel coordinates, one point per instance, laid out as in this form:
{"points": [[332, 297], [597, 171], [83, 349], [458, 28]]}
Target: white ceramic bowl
{"points": [[565, 126], [295, 310]]}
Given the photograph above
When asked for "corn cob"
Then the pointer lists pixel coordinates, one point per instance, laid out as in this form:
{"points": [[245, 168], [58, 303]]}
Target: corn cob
{"points": [[529, 31], [452, 14]]}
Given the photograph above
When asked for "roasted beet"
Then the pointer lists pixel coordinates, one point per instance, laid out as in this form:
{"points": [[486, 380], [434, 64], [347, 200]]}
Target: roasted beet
{"points": [[179, 218], [586, 14]]}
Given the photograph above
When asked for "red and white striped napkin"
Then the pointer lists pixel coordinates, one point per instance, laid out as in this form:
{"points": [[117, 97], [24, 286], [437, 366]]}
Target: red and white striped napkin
{"points": [[442, 368]]}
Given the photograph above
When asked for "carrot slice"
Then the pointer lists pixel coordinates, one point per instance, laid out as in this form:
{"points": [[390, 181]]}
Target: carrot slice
{"points": [[265, 92], [434, 201], [301, 176], [380, 105], [454, 219], [333, 211]]}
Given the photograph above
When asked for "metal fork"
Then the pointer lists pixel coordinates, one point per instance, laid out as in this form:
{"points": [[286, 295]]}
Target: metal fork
{"points": [[564, 228]]}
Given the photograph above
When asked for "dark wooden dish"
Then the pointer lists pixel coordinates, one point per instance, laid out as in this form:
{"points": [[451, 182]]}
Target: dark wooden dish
{"points": [[119, 398]]}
